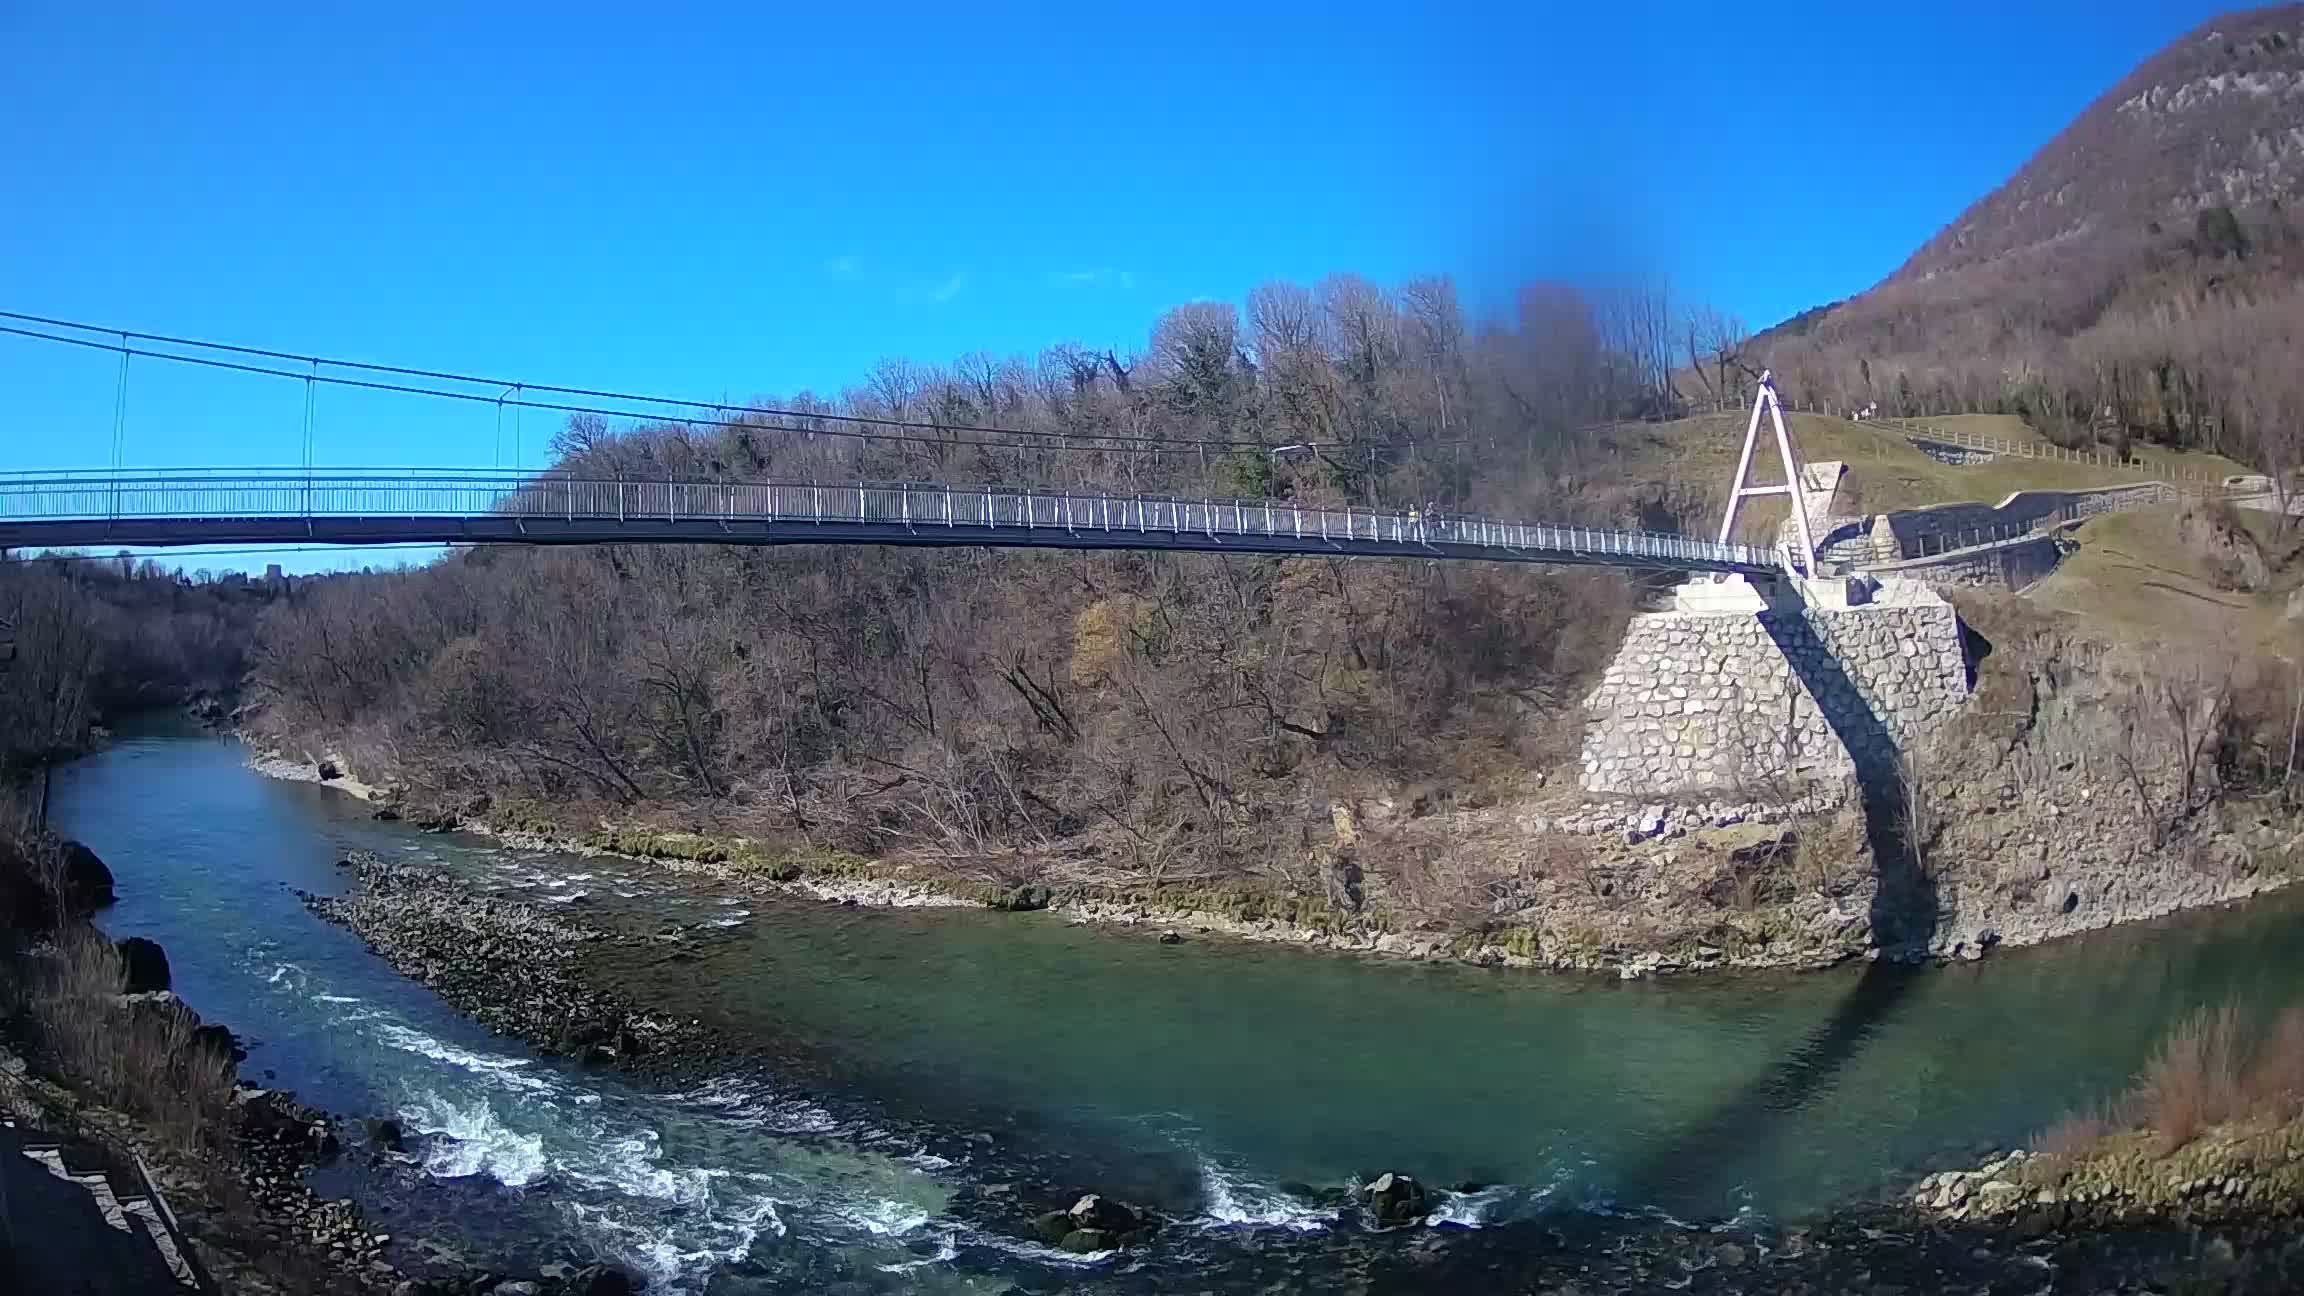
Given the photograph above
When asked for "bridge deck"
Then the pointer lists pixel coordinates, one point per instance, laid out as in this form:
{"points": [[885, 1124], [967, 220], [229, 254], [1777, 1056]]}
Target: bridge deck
{"points": [[354, 507]]}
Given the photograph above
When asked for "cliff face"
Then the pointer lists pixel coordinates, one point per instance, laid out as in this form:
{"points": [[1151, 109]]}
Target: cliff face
{"points": [[2087, 784]]}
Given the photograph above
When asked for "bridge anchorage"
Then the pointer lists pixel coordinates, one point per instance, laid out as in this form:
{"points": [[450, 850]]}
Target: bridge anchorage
{"points": [[1787, 679]]}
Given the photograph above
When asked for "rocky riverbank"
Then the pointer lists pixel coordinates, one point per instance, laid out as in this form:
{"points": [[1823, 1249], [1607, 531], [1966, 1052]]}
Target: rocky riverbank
{"points": [[1656, 890], [244, 1201], [2248, 1174], [1573, 928], [507, 965]]}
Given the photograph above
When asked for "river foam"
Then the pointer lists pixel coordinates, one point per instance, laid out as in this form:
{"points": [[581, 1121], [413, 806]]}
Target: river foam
{"points": [[511, 1073], [469, 1139], [1236, 1202]]}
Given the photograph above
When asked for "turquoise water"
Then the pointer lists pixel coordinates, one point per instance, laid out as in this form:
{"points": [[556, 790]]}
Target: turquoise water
{"points": [[1198, 1077]]}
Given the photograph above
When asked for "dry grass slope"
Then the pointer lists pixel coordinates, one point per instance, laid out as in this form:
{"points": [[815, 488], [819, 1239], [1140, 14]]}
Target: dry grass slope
{"points": [[2134, 576], [1694, 458]]}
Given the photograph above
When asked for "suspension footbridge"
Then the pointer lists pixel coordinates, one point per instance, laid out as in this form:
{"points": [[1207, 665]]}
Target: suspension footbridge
{"points": [[400, 506]]}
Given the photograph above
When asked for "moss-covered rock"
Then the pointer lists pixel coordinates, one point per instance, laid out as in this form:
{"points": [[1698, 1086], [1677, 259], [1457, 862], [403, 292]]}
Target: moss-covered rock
{"points": [[1015, 899], [1053, 1227], [2249, 1170]]}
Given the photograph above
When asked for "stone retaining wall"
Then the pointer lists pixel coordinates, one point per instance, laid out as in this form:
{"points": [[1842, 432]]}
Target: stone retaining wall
{"points": [[1738, 703], [1945, 452], [1912, 533], [2009, 565]]}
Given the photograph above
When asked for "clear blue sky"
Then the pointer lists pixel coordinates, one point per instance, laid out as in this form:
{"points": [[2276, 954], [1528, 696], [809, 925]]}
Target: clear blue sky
{"points": [[755, 199]]}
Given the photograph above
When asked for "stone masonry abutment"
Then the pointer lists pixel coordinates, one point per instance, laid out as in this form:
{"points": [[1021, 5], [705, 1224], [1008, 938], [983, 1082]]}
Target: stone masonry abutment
{"points": [[1733, 693]]}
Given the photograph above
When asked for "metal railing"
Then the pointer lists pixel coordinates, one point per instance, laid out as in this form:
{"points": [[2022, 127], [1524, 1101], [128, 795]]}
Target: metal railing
{"points": [[1914, 430], [1930, 544], [917, 509]]}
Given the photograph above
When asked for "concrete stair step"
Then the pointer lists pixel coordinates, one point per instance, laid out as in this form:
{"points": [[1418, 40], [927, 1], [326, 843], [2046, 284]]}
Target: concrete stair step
{"points": [[146, 1257]]}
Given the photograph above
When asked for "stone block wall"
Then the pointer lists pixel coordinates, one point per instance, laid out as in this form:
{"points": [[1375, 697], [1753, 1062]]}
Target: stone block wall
{"points": [[2009, 565], [1711, 704]]}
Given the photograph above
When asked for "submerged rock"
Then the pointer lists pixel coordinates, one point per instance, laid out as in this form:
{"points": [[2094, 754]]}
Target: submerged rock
{"points": [[386, 1134], [600, 1280]]}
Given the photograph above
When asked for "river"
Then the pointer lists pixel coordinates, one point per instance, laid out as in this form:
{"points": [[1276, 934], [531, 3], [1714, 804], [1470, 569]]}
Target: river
{"points": [[932, 1057]]}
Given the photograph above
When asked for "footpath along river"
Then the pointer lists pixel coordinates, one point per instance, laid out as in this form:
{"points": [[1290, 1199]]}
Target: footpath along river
{"points": [[912, 1065]]}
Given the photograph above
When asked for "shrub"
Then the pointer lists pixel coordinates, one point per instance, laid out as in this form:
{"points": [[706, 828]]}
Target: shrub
{"points": [[2206, 1072], [2275, 1077], [2193, 1081], [2075, 1134]]}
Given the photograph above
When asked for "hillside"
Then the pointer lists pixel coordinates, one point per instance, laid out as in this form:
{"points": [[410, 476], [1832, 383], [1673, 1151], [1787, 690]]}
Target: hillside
{"points": [[2211, 121], [2136, 280], [1677, 473]]}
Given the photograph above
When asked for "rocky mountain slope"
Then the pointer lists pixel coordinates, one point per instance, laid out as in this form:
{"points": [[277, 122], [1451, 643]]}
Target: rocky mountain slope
{"points": [[2214, 120], [2140, 278]]}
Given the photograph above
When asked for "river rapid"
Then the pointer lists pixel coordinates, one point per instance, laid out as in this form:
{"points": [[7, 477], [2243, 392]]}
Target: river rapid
{"points": [[913, 1068]]}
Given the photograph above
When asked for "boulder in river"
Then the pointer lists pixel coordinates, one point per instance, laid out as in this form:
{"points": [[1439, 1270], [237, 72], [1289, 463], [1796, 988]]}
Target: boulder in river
{"points": [[143, 966], [87, 883], [1086, 1241], [1105, 1215], [328, 771], [1395, 1198], [1053, 1227]]}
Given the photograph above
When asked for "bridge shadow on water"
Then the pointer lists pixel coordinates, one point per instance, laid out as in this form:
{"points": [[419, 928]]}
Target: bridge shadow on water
{"points": [[1694, 1171]]}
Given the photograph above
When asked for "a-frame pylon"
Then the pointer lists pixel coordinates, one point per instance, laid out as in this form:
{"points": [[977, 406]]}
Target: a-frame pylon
{"points": [[1738, 491]]}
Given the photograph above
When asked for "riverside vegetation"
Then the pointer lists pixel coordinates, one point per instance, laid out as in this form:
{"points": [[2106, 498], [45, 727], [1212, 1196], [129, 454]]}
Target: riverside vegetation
{"points": [[1355, 755], [2210, 1139], [95, 1044]]}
